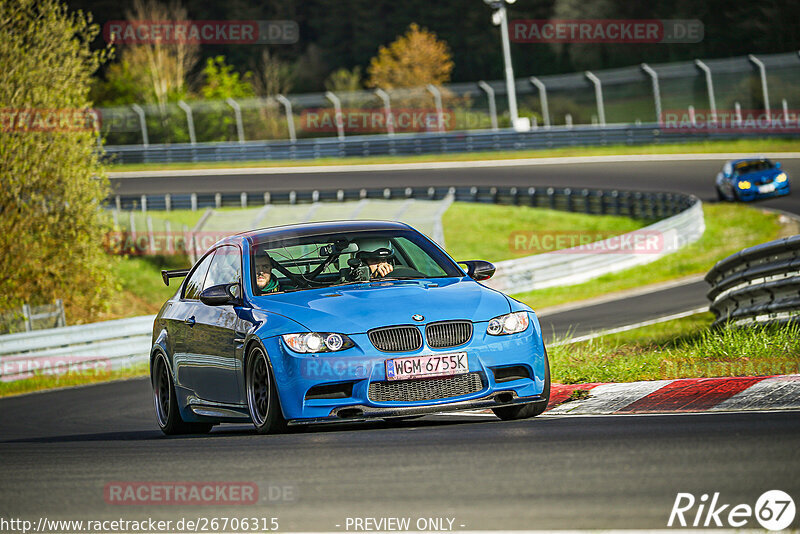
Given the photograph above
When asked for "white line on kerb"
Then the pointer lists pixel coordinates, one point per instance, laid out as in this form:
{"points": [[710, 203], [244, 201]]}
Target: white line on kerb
{"points": [[435, 165]]}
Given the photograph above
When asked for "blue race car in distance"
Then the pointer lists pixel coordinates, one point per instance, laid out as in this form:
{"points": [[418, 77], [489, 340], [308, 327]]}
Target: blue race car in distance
{"points": [[751, 179], [339, 322]]}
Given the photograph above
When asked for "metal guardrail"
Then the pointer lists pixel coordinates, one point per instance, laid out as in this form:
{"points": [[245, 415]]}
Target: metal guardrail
{"points": [[760, 284], [581, 264], [104, 346], [425, 143]]}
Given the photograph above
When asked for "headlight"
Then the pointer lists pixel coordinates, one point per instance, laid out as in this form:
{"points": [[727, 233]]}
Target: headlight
{"points": [[508, 324], [781, 177], [744, 184], [312, 342]]}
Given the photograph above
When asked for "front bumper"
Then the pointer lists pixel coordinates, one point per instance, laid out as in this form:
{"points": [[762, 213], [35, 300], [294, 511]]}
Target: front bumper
{"points": [[360, 413], [358, 367]]}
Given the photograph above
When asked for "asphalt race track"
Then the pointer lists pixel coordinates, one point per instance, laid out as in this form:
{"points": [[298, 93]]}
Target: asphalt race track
{"points": [[60, 449]]}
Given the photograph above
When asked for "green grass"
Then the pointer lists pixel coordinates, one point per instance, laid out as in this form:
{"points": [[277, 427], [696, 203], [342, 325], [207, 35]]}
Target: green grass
{"points": [[729, 228], [683, 348], [140, 288], [43, 381], [491, 232], [755, 145]]}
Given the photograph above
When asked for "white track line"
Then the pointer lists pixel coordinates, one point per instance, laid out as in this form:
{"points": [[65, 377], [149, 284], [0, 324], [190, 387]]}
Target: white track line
{"points": [[436, 165], [625, 328], [619, 295]]}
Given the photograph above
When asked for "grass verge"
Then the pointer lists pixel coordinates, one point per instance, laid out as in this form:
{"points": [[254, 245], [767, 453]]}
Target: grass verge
{"points": [[748, 145], [729, 228], [683, 348], [54, 381], [487, 231]]}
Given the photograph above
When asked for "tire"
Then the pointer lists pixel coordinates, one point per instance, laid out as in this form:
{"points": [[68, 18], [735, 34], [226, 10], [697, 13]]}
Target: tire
{"points": [[526, 411], [168, 415], [262, 396], [720, 196]]}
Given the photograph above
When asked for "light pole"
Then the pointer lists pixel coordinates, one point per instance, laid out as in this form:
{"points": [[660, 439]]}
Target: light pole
{"points": [[500, 18]]}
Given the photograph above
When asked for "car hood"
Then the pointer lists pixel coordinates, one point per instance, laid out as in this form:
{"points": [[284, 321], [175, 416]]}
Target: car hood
{"points": [[355, 309], [760, 177]]}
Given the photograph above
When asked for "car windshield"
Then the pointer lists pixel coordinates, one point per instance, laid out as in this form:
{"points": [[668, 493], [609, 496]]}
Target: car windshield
{"points": [[746, 167], [294, 264]]}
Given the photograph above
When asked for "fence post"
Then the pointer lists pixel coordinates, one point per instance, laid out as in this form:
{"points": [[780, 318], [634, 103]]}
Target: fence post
{"points": [[26, 317], [543, 99], [194, 201], [492, 104], [168, 202], [387, 109], [144, 203], [598, 94], [656, 89], [763, 71], [337, 108], [151, 235], [712, 102], [237, 111], [168, 232], [217, 200], [289, 116], [437, 98], [62, 318], [243, 199], [132, 226], [142, 123], [189, 120]]}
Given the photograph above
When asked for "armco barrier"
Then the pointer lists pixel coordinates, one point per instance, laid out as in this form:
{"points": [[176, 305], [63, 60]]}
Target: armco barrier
{"points": [[107, 345], [424, 143], [576, 265], [760, 284]]}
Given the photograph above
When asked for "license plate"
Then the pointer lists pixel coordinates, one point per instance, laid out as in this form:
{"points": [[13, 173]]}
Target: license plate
{"points": [[427, 366], [769, 188]]}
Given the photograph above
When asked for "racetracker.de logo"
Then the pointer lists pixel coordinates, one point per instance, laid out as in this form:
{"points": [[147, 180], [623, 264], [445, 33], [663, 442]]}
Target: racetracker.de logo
{"points": [[49, 120], [201, 32], [583, 242], [364, 120], [606, 31], [730, 120], [181, 493]]}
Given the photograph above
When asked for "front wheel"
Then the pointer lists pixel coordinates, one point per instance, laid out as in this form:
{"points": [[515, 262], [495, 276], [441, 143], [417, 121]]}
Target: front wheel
{"points": [[525, 411], [166, 405], [262, 396]]}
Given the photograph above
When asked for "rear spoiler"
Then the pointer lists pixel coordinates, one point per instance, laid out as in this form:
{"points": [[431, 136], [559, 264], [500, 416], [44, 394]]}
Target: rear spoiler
{"points": [[175, 273]]}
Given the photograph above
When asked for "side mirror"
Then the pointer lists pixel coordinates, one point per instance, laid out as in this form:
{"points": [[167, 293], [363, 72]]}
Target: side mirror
{"points": [[221, 295], [479, 269], [778, 165]]}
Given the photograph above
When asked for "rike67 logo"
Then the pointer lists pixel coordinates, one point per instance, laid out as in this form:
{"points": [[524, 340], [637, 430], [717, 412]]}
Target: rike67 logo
{"points": [[774, 510]]}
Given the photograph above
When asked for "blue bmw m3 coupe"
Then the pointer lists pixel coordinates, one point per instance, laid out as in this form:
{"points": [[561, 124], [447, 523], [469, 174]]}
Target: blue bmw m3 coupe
{"points": [[340, 322]]}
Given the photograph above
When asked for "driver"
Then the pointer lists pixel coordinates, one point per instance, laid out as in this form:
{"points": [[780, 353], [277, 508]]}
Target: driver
{"points": [[377, 267], [264, 279]]}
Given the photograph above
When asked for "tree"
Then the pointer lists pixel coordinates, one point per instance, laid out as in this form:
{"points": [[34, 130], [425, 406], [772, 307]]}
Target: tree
{"points": [[221, 81], [417, 58], [160, 68], [344, 81], [273, 76], [51, 221]]}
